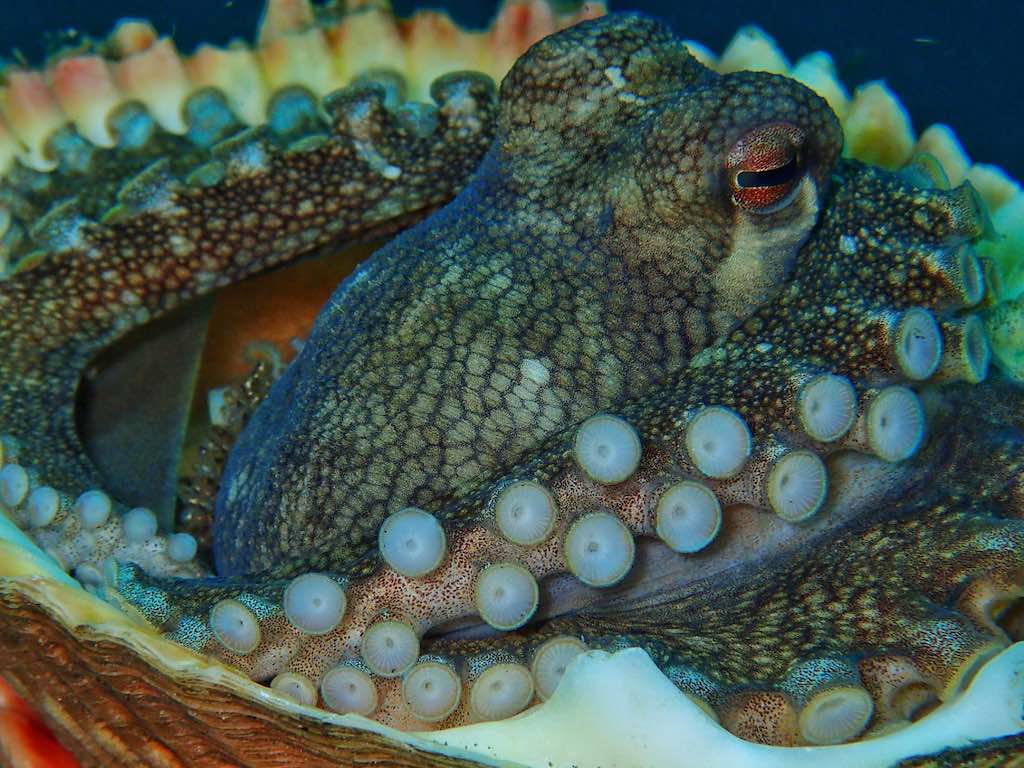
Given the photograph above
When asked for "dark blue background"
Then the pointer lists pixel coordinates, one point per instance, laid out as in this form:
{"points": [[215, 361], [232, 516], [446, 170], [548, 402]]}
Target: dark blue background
{"points": [[955, 62]]}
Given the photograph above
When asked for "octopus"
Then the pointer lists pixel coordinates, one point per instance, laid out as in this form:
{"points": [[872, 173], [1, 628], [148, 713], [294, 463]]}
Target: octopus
{"points": [[657, 391]]}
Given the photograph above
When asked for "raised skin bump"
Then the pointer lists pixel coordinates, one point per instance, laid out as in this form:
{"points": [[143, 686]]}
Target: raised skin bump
{"points": [[139, 524], [525, 512], [797, 486], [766, 444], [412, 542], [599, 549], [549, 663], [506, 595], [44, 503], [432, 690], [607, 448], [918, 344], [895, 423], [14, 484], [314, 603], [828, 407], [297, 687], [235, 626], [688, 516], [501, 691], [718, 442], [390, 648]]}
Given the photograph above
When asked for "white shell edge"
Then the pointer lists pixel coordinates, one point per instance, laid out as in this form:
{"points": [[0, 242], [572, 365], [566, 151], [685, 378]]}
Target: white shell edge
{"points": [[584, 723]]}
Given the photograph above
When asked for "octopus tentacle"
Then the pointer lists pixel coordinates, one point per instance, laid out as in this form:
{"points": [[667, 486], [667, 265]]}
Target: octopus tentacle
{"points": [[731, 428], [886, 649], [167, 242]]}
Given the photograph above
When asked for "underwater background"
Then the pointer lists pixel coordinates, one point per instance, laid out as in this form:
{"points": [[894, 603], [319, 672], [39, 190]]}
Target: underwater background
{"points": [[952, 62]]}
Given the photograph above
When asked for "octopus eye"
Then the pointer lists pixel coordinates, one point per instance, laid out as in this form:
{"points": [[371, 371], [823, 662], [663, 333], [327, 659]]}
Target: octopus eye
{"points": [[765, 167]]}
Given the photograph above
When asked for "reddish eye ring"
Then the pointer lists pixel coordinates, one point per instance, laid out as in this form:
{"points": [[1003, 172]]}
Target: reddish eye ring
{"points": [[765, 167]]}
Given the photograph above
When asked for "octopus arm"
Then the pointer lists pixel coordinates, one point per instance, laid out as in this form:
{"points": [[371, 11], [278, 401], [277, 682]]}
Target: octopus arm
{"points": [[820, 370], [111, 239]]}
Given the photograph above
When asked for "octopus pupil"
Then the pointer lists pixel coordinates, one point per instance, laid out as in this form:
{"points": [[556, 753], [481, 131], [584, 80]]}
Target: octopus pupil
{"points": [[773, 177]]}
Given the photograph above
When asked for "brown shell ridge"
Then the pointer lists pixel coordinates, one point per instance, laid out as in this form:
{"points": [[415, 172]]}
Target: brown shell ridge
{"points": [[106, 679]]}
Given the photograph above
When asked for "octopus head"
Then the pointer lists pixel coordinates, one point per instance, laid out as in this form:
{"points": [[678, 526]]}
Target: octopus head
{"points": [[635, 207], [690, 172]]}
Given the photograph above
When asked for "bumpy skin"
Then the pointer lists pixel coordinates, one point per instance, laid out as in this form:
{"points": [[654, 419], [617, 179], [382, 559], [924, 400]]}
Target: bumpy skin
{"points": [[200, 213], [594, 253], [894, 581], [905, 577]]}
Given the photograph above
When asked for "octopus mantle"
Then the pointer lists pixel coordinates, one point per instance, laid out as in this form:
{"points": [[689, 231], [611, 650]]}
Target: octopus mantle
{"points": [[679, 394]]}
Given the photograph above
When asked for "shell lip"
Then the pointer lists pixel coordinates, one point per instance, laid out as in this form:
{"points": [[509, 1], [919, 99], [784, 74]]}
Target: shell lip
{"points": [[588, 704]]}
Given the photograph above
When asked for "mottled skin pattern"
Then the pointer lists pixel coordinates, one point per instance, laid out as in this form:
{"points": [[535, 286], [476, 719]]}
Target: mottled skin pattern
{"points": [[588, 261], [908, 574], [207, 216]]}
